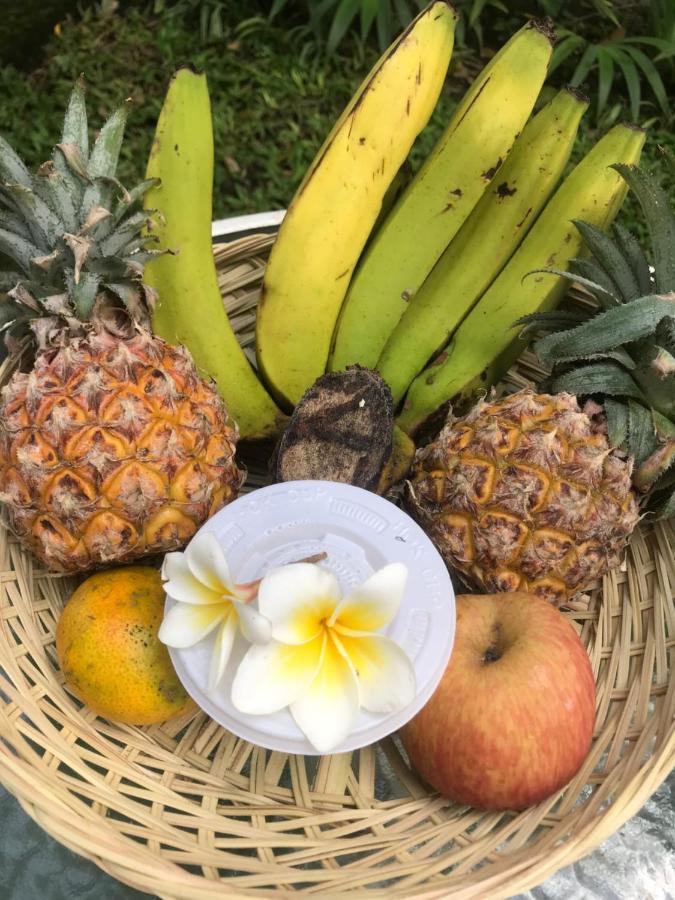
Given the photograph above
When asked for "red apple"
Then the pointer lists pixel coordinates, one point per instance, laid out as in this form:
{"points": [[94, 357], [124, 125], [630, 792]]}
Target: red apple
{"points": [[512, 718]]}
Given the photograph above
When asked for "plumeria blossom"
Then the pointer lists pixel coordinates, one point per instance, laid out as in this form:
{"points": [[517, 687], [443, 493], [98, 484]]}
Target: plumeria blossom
{"points": [[325, 659], [207, 599]]}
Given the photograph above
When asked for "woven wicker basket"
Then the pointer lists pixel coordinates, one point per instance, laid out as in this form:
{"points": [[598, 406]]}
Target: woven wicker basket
{"points": [[186, 810]]}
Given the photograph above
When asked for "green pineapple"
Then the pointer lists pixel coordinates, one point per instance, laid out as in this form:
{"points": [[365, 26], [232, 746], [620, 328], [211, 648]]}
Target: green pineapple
{"points": [[624, 352]]}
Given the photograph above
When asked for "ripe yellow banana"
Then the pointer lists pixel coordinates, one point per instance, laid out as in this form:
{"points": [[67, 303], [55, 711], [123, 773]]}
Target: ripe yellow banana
{"points": [[483, 346], [190, 309], [486, 241], [335, 207], [446, 189]]}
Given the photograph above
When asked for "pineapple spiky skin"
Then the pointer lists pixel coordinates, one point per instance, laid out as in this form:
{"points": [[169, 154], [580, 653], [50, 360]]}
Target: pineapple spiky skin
{"points": [[524, 493], [111, 450], [111, 446]]}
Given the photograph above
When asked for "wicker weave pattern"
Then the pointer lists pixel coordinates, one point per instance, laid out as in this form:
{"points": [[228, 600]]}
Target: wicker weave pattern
{"points": [[186, 810]]}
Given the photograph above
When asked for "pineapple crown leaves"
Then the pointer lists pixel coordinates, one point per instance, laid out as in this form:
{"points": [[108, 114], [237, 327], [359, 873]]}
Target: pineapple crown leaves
{"points": [[72, 233], [623, 349]]}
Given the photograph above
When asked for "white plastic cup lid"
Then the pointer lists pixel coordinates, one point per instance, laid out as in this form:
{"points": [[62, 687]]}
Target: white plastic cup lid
{"points": [[360, 532]]}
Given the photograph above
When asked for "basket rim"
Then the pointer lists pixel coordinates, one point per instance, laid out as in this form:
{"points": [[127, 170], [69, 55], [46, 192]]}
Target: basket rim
{"points": [[15, 777], [70, 820]]}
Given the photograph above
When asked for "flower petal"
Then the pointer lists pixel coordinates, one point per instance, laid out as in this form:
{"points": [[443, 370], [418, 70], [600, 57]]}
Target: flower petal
{"points": [[222, 648], [270, 676], [296, 599], [172, 562], [207, 562], [182, 584], [384, 672], [328, 707], [186, 624], [256, 628], [374, 603]]}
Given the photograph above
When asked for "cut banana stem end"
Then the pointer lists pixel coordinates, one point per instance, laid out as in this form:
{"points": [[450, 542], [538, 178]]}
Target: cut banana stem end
{"points": [[486, 241], [334, 210], [486, 343], [463, 163]]}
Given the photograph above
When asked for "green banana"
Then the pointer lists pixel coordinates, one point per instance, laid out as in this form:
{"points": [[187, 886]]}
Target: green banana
{"points": [[485, 242], [335, 207], [483, 347], [446, 189], [189, 308]]}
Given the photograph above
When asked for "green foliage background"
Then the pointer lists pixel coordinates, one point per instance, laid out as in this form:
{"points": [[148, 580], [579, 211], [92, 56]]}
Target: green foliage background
{"points": [[275, 89]]}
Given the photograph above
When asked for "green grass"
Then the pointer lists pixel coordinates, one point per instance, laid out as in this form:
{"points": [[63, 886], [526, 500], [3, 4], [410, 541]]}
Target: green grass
{"points": [[273, 98]]}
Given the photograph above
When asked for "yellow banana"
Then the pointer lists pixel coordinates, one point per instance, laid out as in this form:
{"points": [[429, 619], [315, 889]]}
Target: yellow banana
{"points": [[486, 241], [446, 189], [190, 309], [334, 209], [483, 346]]}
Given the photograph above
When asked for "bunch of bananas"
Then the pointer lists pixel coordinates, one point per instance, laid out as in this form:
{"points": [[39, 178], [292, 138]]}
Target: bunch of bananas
{"points": [[441, 275]]}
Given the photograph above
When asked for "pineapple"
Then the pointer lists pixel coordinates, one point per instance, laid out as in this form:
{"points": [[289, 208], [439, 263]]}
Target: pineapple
{"points": [[621, 351], [111, 445], [524, 493], [533, 492]]}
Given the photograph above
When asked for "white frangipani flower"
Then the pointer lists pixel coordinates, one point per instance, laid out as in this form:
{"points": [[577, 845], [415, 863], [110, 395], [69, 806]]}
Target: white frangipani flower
{"points": [[325, 660], [207, 598]]}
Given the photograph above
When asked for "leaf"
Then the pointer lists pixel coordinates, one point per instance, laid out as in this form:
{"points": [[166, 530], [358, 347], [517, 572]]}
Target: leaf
{"points": [[124, 233], [605, 77], [127, 205], [666, 47], [44, 225], [660, 221], [631, 77], [75, 121], [103, 162], [584, 65], [620, 355], [53, 188], [555, 320], [634, 254], [564, 49], [617, 421], [641, 436], [9, 280], [343, 18], [477, 8], [69, 161], [609, 256], [598, 378], [588, 272], [12, 167], [13, 222], [609, 329], [106, 150], [606, 9], [655, 464], [19, 249], [575, 278], [651, 74], [277, 6], [83, 293], [369, 10]]}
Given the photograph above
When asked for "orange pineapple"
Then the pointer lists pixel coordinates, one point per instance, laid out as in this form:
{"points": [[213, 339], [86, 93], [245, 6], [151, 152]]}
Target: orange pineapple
{"points": [[111, 445]]}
